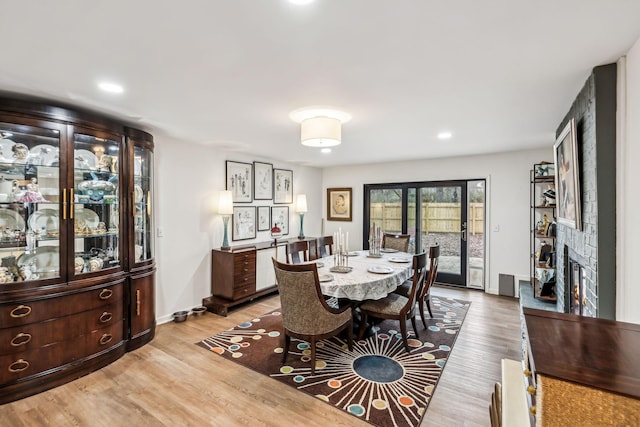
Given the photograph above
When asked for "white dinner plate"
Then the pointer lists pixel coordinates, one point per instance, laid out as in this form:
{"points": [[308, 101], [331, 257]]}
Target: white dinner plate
{"points": [[47, 219], [84, 159], [44, 155], [354, 253], [11, 220], [325, 277], [388, 250], [380, 270], [399, 259], [86, 217], [45, 261], [319, 264]]}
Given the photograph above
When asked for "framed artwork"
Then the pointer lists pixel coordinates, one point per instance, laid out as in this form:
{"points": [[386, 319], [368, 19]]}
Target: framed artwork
{"points": [[240, 181], [280, 216], [263, 181], [565, 152], [243, 224], [282, 186], [338, 204], [264, 218]]}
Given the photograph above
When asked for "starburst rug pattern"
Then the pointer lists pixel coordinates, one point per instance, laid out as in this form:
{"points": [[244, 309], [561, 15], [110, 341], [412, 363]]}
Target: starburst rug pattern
{"points": [[378, 381]]}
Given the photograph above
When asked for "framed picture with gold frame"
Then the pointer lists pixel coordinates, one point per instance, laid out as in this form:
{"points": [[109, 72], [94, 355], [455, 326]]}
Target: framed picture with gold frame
{"points": [[339, 207]]}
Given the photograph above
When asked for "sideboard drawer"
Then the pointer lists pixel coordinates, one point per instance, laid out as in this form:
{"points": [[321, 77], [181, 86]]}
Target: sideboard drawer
{"points": [[22, 313]]}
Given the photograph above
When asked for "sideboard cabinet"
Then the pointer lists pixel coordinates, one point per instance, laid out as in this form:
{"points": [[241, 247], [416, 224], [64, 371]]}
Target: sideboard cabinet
{"points": [[77, 267]]}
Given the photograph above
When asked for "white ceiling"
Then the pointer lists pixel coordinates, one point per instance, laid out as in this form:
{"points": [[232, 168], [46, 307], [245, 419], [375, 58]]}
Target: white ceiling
{"points": [[499, 74]]}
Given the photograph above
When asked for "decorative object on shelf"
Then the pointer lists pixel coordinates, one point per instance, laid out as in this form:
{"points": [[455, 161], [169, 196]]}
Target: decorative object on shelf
{"points": [[244, 223], [320, 126], [264, 218], [568, 176], [543, 230], [240, 181], [225, 208], [339, 204], [280, 216], [275, 233], [282, 186], [544, 169], [301, 208], [263, 181]]}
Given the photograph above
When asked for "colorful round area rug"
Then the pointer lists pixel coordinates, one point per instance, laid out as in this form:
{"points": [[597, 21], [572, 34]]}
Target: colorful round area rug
{"points": [[378, 381]]}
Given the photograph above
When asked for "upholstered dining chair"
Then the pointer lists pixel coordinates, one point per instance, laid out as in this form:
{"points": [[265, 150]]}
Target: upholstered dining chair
{"points": [[399, 242], [325, 246], [297, 251], [424, 297], [398, 307], [305, 313]]}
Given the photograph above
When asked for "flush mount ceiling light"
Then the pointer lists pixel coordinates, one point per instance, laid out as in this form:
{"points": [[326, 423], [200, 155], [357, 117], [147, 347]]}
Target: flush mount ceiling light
{"points": [[320, 126], [301, 2], [110, 87], [444, 135]]}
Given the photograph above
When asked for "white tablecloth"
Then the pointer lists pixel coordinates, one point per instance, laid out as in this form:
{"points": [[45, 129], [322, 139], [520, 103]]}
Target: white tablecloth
{"points": [[360, 284]]}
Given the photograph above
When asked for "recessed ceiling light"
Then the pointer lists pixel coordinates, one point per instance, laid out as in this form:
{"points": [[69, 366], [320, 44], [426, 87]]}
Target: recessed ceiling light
{"points": [[444, 135], [325, 150], [110, 87], [301, 2]]}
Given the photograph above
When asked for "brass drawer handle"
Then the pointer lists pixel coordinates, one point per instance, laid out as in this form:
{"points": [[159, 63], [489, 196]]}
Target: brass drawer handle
{"points": [[20, 339], [18, 366], [532, 410], [21, 311], [531, 390], [527, 373], [106, 338], [105, 294], [106, 317]]}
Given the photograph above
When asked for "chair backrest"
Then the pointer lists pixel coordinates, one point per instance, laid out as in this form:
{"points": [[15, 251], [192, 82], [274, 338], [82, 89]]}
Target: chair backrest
{"points": [[398, 242], [325, 246], [303, 307], [295, 249], [313, 250], [434, 254], [419, 278]]}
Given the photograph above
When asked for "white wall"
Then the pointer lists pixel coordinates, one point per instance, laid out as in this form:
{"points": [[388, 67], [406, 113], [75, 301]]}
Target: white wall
{"points": [[507, 176], [188, 180], [628, 203]]}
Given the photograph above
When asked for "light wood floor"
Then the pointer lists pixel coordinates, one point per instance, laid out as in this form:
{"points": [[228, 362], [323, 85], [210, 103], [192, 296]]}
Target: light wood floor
{"points": [[172, 382]]}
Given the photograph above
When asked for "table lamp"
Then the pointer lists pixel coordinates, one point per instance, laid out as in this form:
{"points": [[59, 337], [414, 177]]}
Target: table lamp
{"points": [[301, 208], [225, 208]]}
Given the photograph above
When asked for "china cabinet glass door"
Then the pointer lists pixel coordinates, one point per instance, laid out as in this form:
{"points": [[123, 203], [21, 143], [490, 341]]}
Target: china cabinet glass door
{"points": [[142, 204], [29, 202], [95, 203]]}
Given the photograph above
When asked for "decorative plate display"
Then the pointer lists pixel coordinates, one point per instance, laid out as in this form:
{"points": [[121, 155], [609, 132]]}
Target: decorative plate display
{"points": [[380, 270], [325, 278], [11, 220], [96, 189], [6, 154], [388, 250], [84, 159], [45, 261], [137, 193], [47, 219], [44, 155], [399, 259], [86, 218]]}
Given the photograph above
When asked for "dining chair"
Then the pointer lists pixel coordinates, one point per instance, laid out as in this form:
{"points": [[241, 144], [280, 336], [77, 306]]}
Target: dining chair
{"points": [[425, 296], [398, 307], [305, 314], [325, 246], [399, 242], [314, 252], [297, 252]]}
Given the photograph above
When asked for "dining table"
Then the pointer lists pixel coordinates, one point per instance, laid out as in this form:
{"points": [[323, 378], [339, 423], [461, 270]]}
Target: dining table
{"points": [[369, 277]]}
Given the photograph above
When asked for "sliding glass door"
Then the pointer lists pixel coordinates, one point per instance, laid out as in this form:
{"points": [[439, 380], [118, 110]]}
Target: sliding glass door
{"points": [[443, 213]]}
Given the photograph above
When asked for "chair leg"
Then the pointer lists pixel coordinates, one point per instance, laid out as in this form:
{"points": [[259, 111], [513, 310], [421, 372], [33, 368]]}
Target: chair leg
{"points": [[428, 299], [350, 336], [287, 341], [413, 323], [363, 324], [421, 308], [403, 331], [313, 356]]}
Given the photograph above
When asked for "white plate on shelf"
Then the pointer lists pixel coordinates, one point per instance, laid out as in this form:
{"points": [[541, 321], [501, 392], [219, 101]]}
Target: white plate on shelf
{"points": [[10, 219], [45, 261], [325, 278], [48, 219], [137, 193], [399, 259], [86, 217], [84, 159], [388, 250], [380, 270], [6, 154], [44, 155]]}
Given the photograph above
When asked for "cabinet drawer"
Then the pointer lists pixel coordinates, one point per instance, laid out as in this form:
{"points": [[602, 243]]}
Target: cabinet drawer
{"points": [[22, 313], [244, 263], [27, 363], [32, 336], [243, 291]]}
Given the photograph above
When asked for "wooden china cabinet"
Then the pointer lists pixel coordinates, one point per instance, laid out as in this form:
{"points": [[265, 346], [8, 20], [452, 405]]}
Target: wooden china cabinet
{"points": [[77, 268]]}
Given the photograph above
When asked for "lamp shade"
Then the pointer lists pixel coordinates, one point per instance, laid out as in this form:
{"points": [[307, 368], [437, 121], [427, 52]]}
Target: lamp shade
{"points": [[321, 131], [301, 203], [225, 203]]}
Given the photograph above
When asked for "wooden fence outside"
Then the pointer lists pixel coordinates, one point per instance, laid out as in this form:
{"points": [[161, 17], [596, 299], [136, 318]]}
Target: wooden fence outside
{"points": [[436, 217]]}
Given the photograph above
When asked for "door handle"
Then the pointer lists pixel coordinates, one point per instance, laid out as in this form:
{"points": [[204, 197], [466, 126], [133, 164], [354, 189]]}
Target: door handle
{"points": [[463, 232]]}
